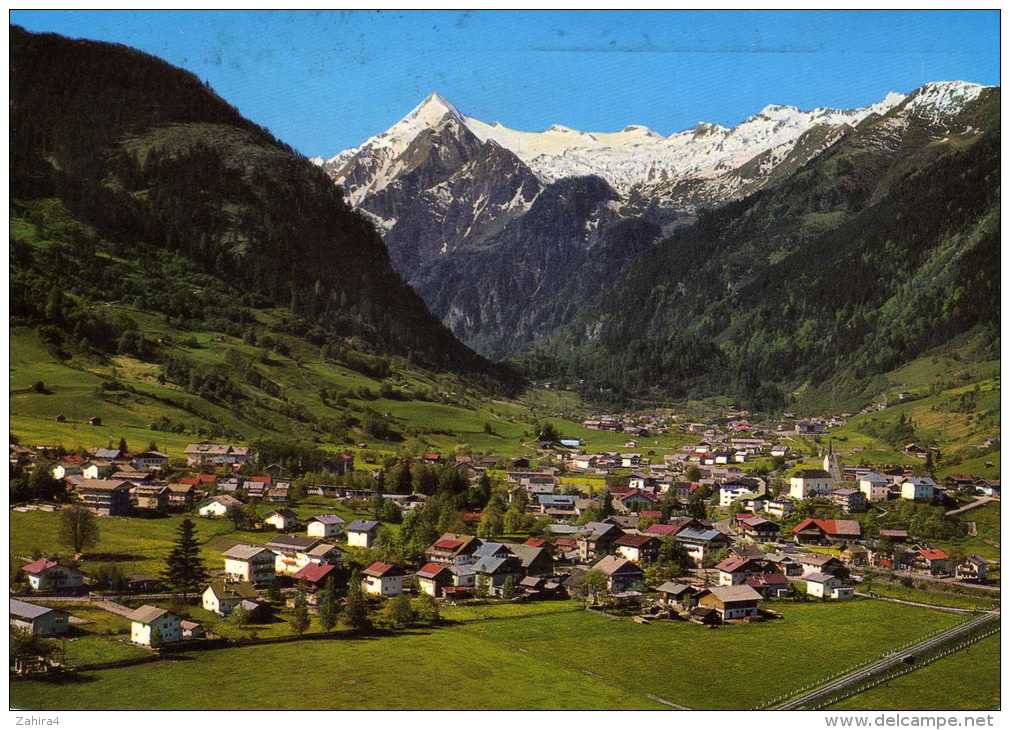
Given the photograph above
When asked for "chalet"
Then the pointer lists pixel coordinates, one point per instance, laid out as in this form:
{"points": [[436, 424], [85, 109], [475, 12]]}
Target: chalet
{"points": [[181, 496], [288, 548], [205, 454], [622, 574], [973, 569], [849, 500], [731, 603], [431, 457], [105, 496], [631, 461], [149, 461], [492, 572], [533, 560], [223, 597], [596, 539], [324, 526], [808, 483], [813, 531], [769, 585], [48, 575], [38, 620], [153, 626], [932, 561], [282, 519], [678, 596], [893, 534], [252, 563], [362, 533], [134, 476], [278, 494], [434, 578], [757, 528], [382, 579], [734, 570], [634, 500], [314, 575], [638, 548], [818, 563], [825, 585], [875, 487], [218, 506], [784, 564], [452, 548], [150, 497]]}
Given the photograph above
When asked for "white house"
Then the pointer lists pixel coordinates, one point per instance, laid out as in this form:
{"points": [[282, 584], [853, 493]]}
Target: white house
{"points": [[324, 526], [730, 493], [150, 461], [48, 575], [918, 488], [382, 579], [874, 487], [64, 470], [362, 533], [809, 483], [153, 626], [780, 507], [218, 506], [97, 470], [222, 597], [252, 563], [823, 585], [282, 519]]}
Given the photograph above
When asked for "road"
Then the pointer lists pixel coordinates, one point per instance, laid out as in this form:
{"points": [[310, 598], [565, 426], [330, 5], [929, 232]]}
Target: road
{"points": [[971, 505], [889, 661]]}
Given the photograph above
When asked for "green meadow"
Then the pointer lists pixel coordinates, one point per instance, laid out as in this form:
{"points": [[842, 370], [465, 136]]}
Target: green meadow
{"points": [[507, 657]]}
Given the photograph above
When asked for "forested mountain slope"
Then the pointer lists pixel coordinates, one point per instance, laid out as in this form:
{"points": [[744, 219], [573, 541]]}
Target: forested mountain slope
{"points": [[148, 156], [881, 247]]}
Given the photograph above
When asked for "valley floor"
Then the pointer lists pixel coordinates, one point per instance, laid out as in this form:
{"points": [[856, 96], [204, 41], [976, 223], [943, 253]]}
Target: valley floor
{"points": [[532, 656]]}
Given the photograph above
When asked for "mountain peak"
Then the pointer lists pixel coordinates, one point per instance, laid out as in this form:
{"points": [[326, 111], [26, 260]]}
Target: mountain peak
{"points": [[434, 108]]}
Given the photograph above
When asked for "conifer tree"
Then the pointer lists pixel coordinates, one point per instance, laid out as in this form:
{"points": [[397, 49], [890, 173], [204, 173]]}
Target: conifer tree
{"points": [[184, 569]]}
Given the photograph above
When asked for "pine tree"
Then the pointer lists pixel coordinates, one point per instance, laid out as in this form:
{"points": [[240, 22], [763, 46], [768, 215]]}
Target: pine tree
{"points": [[184, 569], [327, 604], [299, 618], [356, 612]]}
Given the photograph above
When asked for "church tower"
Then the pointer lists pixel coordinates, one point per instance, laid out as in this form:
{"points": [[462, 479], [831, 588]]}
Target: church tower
{"points": [[833, 465]]}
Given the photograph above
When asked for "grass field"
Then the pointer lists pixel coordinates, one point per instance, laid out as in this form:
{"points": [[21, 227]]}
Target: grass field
{"points": [[987, 524], [935, 598], [140, 545], [535, 657], [967, 680]]}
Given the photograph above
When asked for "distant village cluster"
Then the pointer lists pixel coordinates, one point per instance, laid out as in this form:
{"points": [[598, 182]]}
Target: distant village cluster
{"points": [[686, 535]]}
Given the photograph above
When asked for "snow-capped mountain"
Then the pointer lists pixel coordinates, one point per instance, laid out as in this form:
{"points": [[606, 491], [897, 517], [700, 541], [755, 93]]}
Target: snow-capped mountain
{"points": [[440, 184]]}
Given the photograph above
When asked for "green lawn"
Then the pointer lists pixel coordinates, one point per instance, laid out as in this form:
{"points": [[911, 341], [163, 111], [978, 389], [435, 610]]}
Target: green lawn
{"points": [[967, 680], [936, 598], [515, 657]]}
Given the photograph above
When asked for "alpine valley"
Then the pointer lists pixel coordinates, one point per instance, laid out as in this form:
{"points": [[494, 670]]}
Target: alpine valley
{"points": [[703, 261]]}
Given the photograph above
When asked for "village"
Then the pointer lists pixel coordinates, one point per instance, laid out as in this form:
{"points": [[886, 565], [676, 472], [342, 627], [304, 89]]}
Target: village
{"points": [[686, 536]]}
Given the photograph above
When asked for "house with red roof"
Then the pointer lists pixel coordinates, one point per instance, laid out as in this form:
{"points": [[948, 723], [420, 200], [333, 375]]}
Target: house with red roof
{"points": [[382, 579], [452, 548], [769, 585], [932, 561], [314, 575], [813, 531], [48, 575], [434, 578]]}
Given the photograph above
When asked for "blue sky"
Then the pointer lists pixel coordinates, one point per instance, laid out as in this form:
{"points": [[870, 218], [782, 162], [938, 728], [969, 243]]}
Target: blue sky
{"points": [[323, 81]]}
